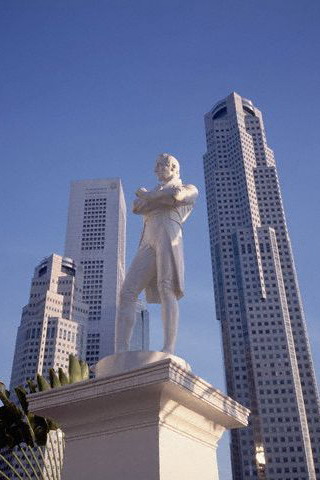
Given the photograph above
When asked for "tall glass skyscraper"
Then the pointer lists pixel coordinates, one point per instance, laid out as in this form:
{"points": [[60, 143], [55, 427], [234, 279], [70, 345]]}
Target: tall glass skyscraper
{"points": [[267, 356]]}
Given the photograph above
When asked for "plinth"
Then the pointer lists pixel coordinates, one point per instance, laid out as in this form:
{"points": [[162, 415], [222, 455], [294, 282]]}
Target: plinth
{"points": [[156, 422]]}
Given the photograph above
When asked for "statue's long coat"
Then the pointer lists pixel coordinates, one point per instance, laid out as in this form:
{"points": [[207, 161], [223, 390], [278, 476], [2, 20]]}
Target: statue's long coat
{"points": [[162, 233]]}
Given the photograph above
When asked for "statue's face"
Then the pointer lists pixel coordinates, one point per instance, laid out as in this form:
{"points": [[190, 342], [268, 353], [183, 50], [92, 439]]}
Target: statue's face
{"points": [[163, 170]]}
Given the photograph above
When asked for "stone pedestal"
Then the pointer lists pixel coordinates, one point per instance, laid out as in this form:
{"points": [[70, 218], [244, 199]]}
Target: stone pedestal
{"points": [[157, 422]]}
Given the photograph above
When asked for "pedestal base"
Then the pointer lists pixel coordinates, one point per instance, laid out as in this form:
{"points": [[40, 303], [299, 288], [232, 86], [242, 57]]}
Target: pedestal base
{"points": [[157, 422], [126, 361]]}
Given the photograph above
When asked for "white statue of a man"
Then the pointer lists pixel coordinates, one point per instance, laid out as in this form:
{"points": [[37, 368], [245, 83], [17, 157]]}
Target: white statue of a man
{"points": [[158, 266]]}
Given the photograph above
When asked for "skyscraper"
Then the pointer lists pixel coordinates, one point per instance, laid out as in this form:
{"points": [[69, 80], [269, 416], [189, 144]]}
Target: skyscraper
{"points": [[95, 238], [267, 356], [53, 323]]}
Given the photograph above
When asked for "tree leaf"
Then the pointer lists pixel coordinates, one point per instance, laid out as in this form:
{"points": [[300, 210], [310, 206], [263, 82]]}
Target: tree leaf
{"points": [[32, 386], [74, 369], [52, 425], [4, 399], [22, 397], [64, 380], [43, 385], [54, 379], [84, 370], [27, 431], [40, 428]]}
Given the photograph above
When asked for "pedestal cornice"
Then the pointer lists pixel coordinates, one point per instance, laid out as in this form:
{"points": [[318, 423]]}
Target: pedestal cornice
{"points": [[163, 377]]}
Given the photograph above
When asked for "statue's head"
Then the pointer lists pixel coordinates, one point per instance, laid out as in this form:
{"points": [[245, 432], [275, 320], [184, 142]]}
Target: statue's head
{"points": [[167, 167]]}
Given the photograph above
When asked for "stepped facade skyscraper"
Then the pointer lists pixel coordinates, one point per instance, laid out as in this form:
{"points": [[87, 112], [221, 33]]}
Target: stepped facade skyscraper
{"points": [[267, 355], [53, 323], [96, 239]]}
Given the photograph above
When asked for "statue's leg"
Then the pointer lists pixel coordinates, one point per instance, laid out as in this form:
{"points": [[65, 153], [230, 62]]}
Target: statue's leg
{"points": [[170, 315], [141, 271]]}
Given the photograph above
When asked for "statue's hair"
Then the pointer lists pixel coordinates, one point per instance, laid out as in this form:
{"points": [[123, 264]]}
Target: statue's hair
{"points": [[171, 160]]}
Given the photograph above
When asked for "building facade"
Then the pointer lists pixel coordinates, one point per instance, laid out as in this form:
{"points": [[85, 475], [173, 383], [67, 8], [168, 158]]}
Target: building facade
{"points": [[53, 323], [96, 239], [267, 355]]}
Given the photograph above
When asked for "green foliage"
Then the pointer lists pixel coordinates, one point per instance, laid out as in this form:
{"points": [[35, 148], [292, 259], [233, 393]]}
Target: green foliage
{"points": [[22, 397], [78, 371], [20, 427], [84, 370], [17, 424], [41, 428], [64, 380], [32, 386], [29, 433], [43, 385], [3, 390], [54, 379], [15, 427], [74, 369]]}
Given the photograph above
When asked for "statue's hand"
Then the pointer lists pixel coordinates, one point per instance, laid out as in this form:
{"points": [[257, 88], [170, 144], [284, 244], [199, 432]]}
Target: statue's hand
{"points": [[138, 205], [142, 192], [176, 191]]}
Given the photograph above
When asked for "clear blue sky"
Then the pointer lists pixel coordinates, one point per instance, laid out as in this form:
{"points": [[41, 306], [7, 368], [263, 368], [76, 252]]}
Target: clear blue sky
{"points": [[97, 88]]}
